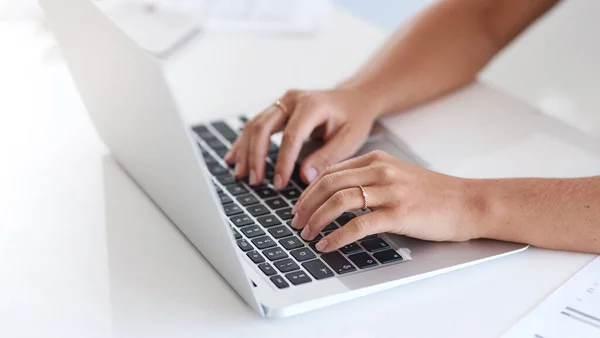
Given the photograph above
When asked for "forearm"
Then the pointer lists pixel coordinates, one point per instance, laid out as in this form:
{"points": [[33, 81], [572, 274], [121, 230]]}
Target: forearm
{"points": [[441, 49], [562, 214]]}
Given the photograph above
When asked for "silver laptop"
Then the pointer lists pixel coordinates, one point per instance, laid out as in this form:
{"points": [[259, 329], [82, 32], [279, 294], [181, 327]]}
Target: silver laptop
{"points": [[243, 231]]}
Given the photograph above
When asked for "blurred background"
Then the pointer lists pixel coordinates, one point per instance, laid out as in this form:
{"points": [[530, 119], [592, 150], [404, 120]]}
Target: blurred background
{"points": [[553, 66]]}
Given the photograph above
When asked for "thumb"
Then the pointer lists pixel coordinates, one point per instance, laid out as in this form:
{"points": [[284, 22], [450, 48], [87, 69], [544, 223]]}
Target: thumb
{"points": [[340, 146]]}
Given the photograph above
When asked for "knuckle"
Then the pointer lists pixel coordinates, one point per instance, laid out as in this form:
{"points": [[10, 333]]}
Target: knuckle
{"points": [[338, 198], [290, 137], [328, 181], [291, 94], [378, 155], [258, 126], [386, 173], [360, 226]]}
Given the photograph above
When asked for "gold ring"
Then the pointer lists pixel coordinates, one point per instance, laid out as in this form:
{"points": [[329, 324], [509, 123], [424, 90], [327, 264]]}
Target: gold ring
{"points": [[280, 105], [365, 196]]}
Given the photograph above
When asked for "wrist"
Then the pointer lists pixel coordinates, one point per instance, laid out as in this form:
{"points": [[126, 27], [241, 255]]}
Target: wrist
{"points": [[486, 208], [368, 93]]}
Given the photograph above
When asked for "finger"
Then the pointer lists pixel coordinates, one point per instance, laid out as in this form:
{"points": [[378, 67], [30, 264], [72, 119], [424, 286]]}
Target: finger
{"points": [[270, 122], [360, 227], [328, 186], [231, 154], [302, 122], [357, 162], [345, 201], [339, 147], [241, 154]]}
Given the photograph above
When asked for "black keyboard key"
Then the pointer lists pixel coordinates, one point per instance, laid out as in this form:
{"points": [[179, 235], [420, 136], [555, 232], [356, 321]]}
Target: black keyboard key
{"points": [[291, 243], [216, 169], [199, 128], [303, 254], [257, 210], [236, 189], [252, 231], [216, 144], [344, 218], [255, 257], [208, 159], [265, 192], [236, 234], [221, 152], [296, 177], [286, 265], [247, 200], [298, 277], [263, 242], [291, 194], [330, 227], [244, 119], [244, 245], [225, 130], [289, 223], [387, 256], [241, 220], [268, 221], [274, 254], [285, 214], [293, 202], [269, 172], [316, 239], [280, 232], [279, 282], [232, 209], [267, 269], [225, 199], [317, 269], [363, 260], [204, 133], [369, 237], [326, 233], [226, 179], [350, 248], [338, 262], [374, 244], [273, 148], [273, 157], [276, 203]]}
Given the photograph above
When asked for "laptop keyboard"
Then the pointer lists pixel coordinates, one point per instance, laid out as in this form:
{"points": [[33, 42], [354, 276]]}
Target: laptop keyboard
{"points": [[260, 219]]}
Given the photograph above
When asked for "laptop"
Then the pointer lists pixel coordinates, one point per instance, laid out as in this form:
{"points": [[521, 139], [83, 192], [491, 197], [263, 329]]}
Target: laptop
{"points": [[242, 231]]}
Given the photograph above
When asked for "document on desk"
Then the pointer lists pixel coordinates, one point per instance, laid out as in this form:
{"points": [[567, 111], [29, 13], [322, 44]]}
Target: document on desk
{"points": [[571, 311]]}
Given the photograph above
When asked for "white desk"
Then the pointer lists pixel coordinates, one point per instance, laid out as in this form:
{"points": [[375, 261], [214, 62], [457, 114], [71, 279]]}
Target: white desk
{"points": [[83, 253]]}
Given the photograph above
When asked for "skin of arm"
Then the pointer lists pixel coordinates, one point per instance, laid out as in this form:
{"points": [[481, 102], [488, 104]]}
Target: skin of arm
{"points": [[441, 49], [562, 214]]}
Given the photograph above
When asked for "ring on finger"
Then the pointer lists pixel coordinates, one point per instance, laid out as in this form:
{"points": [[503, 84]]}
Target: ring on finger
{"points": [[365, 198], [280, 105]]}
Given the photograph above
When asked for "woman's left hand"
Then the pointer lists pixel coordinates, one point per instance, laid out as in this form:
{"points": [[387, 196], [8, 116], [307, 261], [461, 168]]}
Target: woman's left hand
{"points": [[404, 199]]}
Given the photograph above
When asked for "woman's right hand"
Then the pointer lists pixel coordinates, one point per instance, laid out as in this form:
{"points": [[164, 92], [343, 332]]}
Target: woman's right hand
{"points": [[343, 117]]}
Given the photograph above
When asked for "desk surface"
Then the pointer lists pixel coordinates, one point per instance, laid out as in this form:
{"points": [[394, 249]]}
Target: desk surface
{"points": [[83, 253]]}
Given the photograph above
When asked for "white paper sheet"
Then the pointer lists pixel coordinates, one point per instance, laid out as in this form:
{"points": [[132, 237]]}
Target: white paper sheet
{"points": [[540, 155], [572, 311]]}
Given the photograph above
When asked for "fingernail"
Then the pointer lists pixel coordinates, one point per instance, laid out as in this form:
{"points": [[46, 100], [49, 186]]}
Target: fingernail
{"points": [[253, 179], [295, 221], [238, 170], [294, 210], [321, 245], [277, 182], [305, 232], [311, 174]]}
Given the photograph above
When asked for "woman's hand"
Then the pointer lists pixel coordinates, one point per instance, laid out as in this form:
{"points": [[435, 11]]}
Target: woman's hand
{"points": [[345, 117], [404, 198]]}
